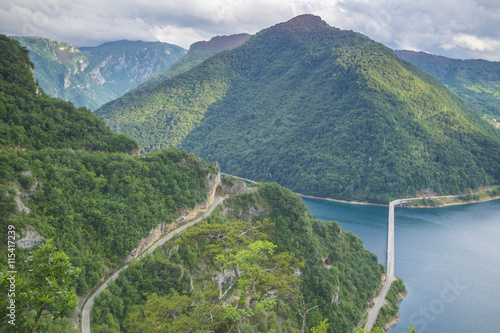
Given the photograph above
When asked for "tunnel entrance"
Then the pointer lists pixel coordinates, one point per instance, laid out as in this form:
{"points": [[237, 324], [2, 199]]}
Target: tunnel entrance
{"points": [[219, 191]]}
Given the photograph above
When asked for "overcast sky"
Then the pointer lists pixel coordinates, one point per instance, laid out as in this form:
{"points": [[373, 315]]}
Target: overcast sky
{"points": [[454, 28]]}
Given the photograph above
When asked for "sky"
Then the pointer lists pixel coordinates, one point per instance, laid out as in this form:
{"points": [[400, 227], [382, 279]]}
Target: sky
{"points": [[465, 29]]}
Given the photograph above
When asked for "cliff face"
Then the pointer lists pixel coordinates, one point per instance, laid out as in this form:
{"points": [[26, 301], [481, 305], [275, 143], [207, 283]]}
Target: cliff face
{"points": [[214, 188], [92, 76]]}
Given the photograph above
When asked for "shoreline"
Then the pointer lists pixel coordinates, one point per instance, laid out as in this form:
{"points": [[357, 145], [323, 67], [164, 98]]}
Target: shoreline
{"points": [[366, 203], [395, 319]]}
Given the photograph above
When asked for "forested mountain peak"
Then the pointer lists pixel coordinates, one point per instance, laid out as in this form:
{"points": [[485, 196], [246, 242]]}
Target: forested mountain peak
{"points": [[320, 110], [198, 52], [306, 22]]}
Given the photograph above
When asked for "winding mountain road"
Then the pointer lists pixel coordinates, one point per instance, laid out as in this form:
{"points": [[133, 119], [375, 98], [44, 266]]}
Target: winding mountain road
{"points": [[160, 242]]}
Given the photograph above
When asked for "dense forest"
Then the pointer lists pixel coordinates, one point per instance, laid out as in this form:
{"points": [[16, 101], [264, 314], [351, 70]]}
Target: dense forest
{"points": [[198, 52], [184, 286], [66, 176], [98, 206], [476, 81], [33, 120], [92, 76], [319, 110], [93, 205]]}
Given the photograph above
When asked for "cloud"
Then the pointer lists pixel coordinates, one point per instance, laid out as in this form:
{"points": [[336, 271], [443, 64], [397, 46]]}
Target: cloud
{"points": [[455, 28]]}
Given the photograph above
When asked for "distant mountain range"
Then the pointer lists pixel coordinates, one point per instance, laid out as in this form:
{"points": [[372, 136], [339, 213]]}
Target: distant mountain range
{"points": [[476, 82], [320, 110], [198, 52], [92, 76]]}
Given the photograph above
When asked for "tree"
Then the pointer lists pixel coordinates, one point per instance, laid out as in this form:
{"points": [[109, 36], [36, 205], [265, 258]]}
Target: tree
{"points": [[321, 328], [260, 279], [48, 284]]}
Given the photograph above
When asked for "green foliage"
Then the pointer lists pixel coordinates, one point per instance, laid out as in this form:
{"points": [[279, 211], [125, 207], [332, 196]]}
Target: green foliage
{"points": [[321, 328], [306, 105], [260, 279], [390, 311], [92, 76], [476, 82], [339, 274], [32, 119], [43, 284], [98, 206], [225, 272]]}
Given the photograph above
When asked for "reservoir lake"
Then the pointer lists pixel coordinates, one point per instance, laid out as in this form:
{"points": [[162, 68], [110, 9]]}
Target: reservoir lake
{"points": [[448, 258]]}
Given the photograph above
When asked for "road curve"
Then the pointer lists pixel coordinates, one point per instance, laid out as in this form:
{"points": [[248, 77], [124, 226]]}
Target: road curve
{"points": [[160, 242]]}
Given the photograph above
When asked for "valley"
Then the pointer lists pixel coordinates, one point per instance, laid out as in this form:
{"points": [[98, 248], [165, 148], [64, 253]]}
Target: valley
{"points": [[116, 173]]}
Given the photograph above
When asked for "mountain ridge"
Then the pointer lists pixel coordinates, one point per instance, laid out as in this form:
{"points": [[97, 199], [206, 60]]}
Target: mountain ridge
{"points": [[323, 111], [91, 76], [198, 52], [476, 81]]}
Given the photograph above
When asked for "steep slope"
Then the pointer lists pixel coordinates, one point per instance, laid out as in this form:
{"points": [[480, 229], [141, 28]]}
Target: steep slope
{"points": [[31, 119], [322, 111], [476, 82], [198, 52], [337, 279], [92, 76], [96, 205]]}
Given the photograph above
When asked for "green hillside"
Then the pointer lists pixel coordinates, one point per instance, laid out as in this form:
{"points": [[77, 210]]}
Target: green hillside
{"points": [[198, 52], [476, 82], [322, 111], [96, 206], [92, 76], [182, 279], [31, 119]]}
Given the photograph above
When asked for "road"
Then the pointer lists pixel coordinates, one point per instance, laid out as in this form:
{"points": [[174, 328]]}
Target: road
{"points": [[380, 300], [160, 242]]}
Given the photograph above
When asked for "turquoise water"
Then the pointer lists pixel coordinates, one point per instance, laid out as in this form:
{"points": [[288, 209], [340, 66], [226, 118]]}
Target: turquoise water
{"points": [[449, 259]]}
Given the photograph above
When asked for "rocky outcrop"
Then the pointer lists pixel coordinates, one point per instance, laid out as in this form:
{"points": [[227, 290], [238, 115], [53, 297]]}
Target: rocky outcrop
{"points": [[31, 238], [134, 152], [243, 214], [237, 187], [213, 183]]}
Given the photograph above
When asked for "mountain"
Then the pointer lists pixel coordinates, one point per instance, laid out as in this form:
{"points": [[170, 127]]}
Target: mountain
{"points": [[321, 111], [30, 119], [199, 52], [92, 76], [476, 82], [103, 208], [337, 276], [65, 175]]}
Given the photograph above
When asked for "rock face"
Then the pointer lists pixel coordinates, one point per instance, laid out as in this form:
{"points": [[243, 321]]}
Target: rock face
{"points": [[238, 187], [92, 76], [30, 239], [213, 184]]}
